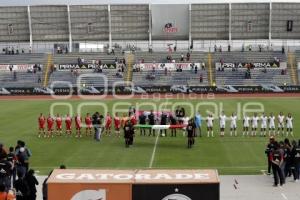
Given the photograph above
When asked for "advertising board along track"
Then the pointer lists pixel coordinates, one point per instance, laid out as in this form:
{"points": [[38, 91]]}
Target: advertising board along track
{"points": [[64, 184]]}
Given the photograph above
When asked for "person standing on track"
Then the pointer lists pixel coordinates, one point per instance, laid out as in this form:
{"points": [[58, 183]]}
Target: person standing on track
{"points": [[42, 122], [269, 150], [277, 160]]}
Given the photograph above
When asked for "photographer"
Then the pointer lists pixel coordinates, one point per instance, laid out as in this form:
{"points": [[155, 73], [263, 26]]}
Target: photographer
{"points": [[277, 162], [268, 152]]}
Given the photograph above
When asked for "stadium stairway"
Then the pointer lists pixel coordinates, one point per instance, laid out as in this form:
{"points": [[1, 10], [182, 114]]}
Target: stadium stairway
{"points": [[130, 61], [211, 70], [47, 69], [292, 68]]}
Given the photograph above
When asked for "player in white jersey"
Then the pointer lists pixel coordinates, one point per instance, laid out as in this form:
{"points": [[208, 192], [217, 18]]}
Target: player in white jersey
{"points": [[233, 126], [289, 125], [254, 120], [246, 124], [263, 125], [271, 124], [222, 123], [280, 119], [210, 124]]}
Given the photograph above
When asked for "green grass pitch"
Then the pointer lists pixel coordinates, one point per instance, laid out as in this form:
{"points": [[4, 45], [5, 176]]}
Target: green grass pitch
{"points": [[230, 155]]}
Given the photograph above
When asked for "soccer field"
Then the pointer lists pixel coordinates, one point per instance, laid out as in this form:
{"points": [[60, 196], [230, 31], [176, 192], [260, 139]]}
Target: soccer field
{"points": [[230, 155]]}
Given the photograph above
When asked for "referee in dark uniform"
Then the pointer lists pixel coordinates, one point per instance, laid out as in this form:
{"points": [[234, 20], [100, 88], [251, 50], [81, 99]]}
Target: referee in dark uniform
{"points": [[190, 133], [173, 122], [163, 121], [151, 121], [128, 134], [142, 121]]}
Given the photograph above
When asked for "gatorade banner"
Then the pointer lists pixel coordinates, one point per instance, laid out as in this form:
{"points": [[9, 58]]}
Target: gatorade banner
{"points": [[71, 184]]}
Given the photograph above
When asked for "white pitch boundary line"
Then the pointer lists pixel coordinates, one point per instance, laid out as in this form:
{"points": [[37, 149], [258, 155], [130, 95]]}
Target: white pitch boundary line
{"points": [[154, 150], [155, 145]]}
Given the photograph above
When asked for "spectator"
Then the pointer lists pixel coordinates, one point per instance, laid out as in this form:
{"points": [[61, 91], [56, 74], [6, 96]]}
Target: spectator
{"points": [[22, 188], [3, 153], [182, 58], [11, 157], [196, 69], [45, 187], [201, 78], [6, 195], [215, 48], [282, 49], [32, 182], [220, 48], [175, 48], [229, 48], [188, 55], [5, 172]]}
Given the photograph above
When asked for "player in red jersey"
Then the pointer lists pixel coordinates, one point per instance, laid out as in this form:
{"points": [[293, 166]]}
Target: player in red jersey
{"points": [[89, 125], [108, 122], [68, 121], [42, 122], [78, 125], [50, 122], [117, 123], [58, 121], [133, 119], [124, 120]]}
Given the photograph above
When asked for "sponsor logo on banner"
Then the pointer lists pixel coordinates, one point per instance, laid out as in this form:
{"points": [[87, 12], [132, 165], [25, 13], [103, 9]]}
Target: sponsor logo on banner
{"points": [[176, 197], [169, 66], [90, 195], [19, 67], [243, 65], [62, 67]]}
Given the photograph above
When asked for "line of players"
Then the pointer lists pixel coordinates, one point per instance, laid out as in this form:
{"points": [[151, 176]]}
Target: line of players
{"points": [[55, 124], [251, 124]]}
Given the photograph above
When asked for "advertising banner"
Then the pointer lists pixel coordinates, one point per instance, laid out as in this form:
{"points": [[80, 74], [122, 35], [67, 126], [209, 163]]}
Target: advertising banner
{"points": [[71, 184]]}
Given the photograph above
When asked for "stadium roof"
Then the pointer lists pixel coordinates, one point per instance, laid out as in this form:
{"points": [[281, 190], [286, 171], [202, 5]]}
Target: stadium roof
{"points": [[86, 2]]}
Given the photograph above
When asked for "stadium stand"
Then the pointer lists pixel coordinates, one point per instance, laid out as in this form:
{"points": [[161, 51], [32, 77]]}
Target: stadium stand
{"points": [[34, 58], [249, 56], [258, 77], [273, 76]]}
